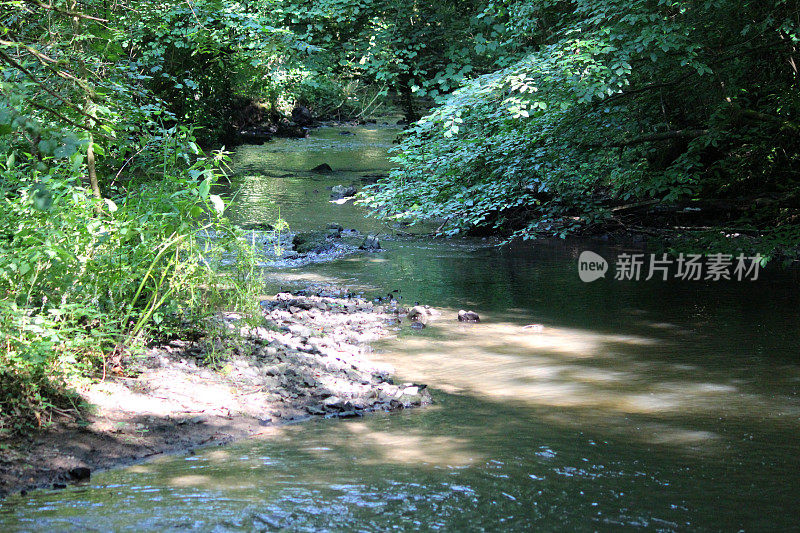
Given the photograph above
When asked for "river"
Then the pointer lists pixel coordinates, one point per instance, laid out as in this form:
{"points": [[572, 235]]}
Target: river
{"points": [[663, 406]]}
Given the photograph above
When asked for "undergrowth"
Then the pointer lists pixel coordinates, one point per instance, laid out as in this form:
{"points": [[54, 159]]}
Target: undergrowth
{"points": [[86, 283]]}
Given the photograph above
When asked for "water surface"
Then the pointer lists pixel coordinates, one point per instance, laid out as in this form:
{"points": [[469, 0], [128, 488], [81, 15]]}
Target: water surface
{"points": [[665, 406]]}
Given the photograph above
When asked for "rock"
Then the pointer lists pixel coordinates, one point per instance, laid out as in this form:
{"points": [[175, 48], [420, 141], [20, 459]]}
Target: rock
{"points": [[339, 192], [371, 244], [336, 403], [302, 116], [335, 230], [346, 133], [411, 395], [59, 485], [468, 316], [419, 314], [299, 330], [276, 370], [315, 409], [289, 128], [324, 168], [311, 242], [80, 473], [296, 132], [418, 325]]}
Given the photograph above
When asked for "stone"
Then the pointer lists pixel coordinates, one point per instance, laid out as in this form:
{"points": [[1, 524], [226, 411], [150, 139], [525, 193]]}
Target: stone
{"points": [[335, 230], [315, 409], [276, 370], [255, 136], [299, 330], [372, 179], [371, 244], [412, 395], [468, 316], [324, 168], [340, 192], [422, 314]]}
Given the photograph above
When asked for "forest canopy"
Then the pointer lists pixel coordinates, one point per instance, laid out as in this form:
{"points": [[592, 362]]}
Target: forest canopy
{"points": [[611, 114]]}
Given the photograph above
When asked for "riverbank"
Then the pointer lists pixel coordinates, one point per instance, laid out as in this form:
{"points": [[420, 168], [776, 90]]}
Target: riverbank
{"points": [[307, 358]]}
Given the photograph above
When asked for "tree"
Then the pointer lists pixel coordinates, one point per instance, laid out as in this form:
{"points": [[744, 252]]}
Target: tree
{"points": [[618, 104]]}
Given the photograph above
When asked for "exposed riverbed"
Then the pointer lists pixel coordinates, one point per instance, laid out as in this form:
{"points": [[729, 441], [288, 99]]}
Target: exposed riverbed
{"points": [[638, 405]]}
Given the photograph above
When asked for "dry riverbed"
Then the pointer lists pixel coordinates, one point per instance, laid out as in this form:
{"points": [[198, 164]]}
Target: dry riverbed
{"points": [[308, 358]]}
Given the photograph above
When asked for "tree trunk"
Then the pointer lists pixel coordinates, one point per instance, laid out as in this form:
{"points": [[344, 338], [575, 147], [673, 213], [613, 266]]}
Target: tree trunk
{"points": [[408, 102], [88, 106]]}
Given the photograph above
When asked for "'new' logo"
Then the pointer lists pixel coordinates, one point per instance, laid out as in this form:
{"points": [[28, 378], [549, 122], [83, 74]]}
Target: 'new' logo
{"points": [[591, 266]]}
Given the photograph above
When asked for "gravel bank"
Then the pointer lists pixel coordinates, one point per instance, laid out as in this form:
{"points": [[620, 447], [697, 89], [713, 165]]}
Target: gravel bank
{"points": [[307, 357]]}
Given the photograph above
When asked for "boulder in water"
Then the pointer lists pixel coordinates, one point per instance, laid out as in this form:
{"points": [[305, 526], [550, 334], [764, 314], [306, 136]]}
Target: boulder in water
{"points": [[256, 136], [340, 192], [80, 473], [468, 316], [371, 244], [422, 314], [324, 168], [412, 395], [335, 230]]}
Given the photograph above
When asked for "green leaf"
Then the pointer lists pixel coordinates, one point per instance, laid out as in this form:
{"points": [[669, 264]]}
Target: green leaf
{"points": [[204, 188]]}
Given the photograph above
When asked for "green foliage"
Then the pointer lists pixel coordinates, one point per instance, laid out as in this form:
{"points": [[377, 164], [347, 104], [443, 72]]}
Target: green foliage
{"points": [[201, 57], [425, 47], [83, 279], [85, 275], [613, 103]]}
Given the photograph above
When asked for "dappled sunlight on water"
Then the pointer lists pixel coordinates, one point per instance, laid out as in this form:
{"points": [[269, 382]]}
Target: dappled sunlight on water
{"points": [[590, 378], [416, 447]]}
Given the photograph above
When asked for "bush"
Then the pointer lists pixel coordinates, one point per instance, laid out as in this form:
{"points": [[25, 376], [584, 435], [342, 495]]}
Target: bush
{"points": [[84, 281]]}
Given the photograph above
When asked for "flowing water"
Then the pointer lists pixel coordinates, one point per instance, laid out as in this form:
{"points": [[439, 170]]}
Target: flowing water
{"points": [[633, 405]]}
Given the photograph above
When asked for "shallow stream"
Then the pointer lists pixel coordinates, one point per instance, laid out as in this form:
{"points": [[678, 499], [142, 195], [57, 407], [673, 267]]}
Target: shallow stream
{"points": [[665, 406]]}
